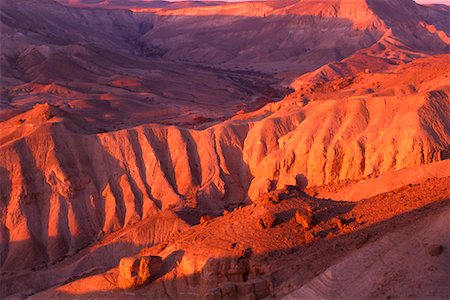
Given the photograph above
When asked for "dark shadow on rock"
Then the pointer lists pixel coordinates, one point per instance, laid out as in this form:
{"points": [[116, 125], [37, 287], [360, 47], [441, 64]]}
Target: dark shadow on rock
{"points": [[5, 194], [301, 181], [170, 262], [230, 279]]}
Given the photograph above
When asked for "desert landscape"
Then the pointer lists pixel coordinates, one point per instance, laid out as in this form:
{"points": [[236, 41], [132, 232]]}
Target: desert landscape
{"points": [[289, 149]]}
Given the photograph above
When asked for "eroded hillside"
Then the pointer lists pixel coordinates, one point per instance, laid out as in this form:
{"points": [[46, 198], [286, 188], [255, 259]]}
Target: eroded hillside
{"points": [[121, 128]]}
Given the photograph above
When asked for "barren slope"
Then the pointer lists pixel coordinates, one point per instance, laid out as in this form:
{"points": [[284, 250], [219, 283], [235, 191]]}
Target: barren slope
{"points": [[91, 60], [290, 38], [231, 257], [64, 185], [119, 129]]}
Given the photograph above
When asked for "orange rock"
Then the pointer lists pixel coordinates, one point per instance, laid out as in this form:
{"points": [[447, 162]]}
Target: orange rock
{"points": [[338, 223], [135, 271], [304, 218], [205, 219], [309, 237], [267, 221]]}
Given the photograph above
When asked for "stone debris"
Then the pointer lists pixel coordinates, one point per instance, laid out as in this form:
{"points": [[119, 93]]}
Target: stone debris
{"points": [[304, 217]]}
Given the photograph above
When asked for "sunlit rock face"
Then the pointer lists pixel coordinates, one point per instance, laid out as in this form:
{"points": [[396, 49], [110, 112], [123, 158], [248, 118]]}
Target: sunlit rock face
{"points": [[189, 150], [136, 271]]}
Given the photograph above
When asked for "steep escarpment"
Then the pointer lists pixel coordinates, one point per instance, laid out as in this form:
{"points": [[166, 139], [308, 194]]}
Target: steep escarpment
{"points": [[289, 39], [103, 253], [409, 31], [286, 38], [63, 185], [62, 188]]}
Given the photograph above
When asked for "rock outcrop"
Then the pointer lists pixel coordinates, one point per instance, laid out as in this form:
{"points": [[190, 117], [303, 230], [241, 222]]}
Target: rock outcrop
{"points": [[268, 220], [304, 217], [136, 271]]}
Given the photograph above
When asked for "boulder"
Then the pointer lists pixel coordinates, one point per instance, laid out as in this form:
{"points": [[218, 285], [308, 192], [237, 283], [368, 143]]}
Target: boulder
{"points": [[338, 223], [268, 220], [135, 271], [129, 267], [304, 217]]}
